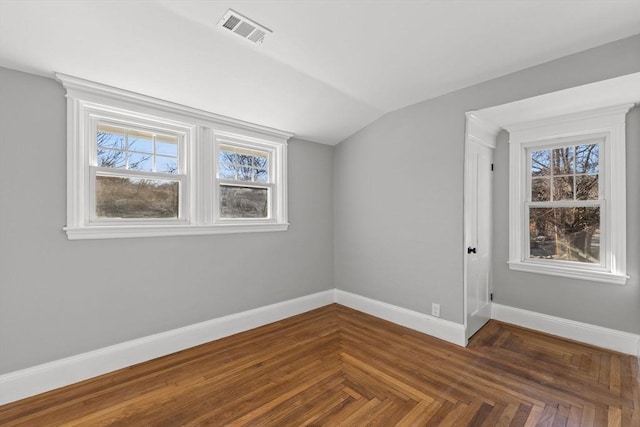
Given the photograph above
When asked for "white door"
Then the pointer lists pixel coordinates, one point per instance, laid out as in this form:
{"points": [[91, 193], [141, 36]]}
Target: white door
{"points": [[478, 201]]}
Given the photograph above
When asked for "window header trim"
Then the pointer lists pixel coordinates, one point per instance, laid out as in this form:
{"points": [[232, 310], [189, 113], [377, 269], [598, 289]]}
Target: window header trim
{"points": [[89, 91]]}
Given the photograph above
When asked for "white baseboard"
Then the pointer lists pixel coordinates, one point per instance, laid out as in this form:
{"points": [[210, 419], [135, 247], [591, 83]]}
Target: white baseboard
{"points": [[434, 326], [48, 376], [623, 342]]}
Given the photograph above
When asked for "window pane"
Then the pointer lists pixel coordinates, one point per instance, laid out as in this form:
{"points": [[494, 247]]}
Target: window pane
{"points": [[563, 188], [541, 163], [587, 187], [245, 173], [166, 164], [140, 141], [540, 190], [225, 156], [110, 137], [243, 164], [227, 171], [118, 197], [563, 161], [167, 148], [243, 202], [261, 162], [112, 159], [262, 175], [568, 234], [140, 162], [244, 160], [587, 158]]}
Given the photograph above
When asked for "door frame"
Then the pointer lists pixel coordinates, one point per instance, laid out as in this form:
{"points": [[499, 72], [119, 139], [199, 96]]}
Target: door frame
{"points": [[484, 133]]}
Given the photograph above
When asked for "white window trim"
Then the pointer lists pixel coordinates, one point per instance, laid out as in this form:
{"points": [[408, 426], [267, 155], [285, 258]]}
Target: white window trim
{"points": [[608, 122], [89, 102]]}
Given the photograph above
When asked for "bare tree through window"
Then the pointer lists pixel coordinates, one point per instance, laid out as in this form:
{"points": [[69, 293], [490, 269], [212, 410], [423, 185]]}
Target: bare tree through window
{"points": [[570, 229], [244, 166]]}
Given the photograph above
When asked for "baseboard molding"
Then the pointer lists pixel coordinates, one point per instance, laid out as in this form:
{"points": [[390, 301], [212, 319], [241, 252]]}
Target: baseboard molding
{"points": [[434, 326], [623, 342], [48, 376]]}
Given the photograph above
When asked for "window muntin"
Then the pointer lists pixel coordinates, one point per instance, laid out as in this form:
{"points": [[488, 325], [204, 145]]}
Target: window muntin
{"points": [[565, 205]]}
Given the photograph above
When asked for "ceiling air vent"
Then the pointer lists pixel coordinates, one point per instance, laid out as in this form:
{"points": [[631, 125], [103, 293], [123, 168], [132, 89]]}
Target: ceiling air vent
{"points": [[243, 26]]}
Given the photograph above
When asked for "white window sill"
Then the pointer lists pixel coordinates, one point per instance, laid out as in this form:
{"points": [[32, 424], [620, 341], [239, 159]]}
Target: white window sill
{"points": [[572, 273], [131, 231]]}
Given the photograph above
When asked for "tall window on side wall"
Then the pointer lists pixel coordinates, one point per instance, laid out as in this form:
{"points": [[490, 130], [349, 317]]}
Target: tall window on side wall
{"points": [[565, 203], [567, 190]]}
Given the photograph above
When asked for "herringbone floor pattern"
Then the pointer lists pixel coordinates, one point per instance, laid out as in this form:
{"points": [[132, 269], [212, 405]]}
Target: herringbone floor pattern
{"points": [[337, 366]]}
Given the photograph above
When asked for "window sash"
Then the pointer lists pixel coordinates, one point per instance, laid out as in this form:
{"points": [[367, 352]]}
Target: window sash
{"points": [[564, 204], [249, 150], [158, 134], [269, 201], [124, 173], [240, 183], [560, 143], [566, 143], [272, 185], [602, 265]]}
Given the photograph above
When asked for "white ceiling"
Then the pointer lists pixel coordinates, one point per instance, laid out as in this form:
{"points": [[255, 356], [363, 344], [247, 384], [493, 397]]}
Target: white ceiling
{"points": [[330, 67]]}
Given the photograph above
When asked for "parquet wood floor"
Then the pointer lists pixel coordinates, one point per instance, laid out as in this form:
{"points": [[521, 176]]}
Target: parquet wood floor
{"points": [[336, 366]]}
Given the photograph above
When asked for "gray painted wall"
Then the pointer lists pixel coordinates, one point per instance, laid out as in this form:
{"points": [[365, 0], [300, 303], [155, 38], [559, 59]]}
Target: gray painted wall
{"points": [[398, 202], [391, 194], [59, 298]]}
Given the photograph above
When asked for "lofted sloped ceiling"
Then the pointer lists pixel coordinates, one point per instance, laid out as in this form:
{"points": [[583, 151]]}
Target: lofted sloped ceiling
{"points": [[329, 68]]}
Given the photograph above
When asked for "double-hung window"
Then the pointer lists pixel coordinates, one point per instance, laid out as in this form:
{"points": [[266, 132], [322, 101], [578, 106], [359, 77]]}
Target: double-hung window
{"points": [[245, 182], [565, 202], [143, 167], [136, 173], [567, 196]]}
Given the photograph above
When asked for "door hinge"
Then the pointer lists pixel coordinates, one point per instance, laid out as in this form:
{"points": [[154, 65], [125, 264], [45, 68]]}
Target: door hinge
{"points": [[491, 167], [491, 296]]}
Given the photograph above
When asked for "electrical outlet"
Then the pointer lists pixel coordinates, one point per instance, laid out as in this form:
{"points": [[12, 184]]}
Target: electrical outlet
{"points": [[435, 309]]}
